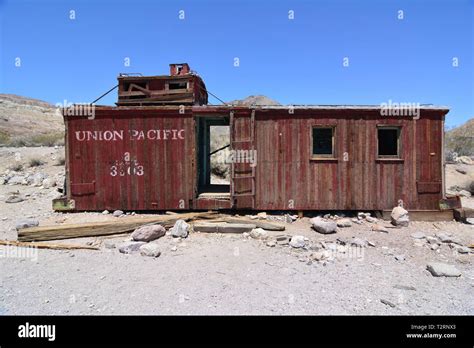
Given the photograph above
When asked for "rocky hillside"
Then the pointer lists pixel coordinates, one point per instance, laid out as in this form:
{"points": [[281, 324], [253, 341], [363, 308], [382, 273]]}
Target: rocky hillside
{"points": [[29, 122], [461, 140], [254, 100]]}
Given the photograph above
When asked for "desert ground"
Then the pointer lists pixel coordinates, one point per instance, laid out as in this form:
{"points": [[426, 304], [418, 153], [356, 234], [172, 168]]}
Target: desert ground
{"points": [[356, 270]]}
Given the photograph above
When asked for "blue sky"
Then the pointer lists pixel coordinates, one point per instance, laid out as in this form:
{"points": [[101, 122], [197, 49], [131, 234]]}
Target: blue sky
{"points": [[297, 61]]}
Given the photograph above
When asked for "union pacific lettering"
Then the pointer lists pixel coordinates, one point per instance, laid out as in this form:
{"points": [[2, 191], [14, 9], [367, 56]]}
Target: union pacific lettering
{"points": [[132, 134]]}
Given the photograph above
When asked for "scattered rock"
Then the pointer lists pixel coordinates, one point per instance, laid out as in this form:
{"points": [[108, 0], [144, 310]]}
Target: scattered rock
{"points": [[150, 249], [465, 193], [388, 303], [464, 159], [271, 243], [14, 198], [462, 171], [37, 179], [25, 223], [174, 248], [297, 242], [370, 219], [431, 240], [418, 235], [180, 229], [444, 238], [283, 240], [118, 213], [324, 227], [48, 183], [148, 233], [108, 244], [258, 233], [434, 246], [320, 255], [344, 222], [379, 228], [438, 269], [16, 180], [130, 247], [105, 212], [400, 257], [372, 244], [262, 215], [463, 250], [362, 243], [399, 217], [404, 287]]}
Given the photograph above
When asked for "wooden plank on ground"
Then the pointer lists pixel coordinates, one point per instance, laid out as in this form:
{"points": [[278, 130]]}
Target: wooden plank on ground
{"points": [[223, 227], [46, 245], [93, 229], [261, 224], [425, 215]]}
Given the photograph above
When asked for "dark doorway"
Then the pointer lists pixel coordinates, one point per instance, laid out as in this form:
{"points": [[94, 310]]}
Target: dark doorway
{"points": [[213, 141]]}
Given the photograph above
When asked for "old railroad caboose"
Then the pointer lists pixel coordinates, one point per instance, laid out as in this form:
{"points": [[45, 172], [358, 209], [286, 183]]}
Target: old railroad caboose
{"points": [[152, 152]]}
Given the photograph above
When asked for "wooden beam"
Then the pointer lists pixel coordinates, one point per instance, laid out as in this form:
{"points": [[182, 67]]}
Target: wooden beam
{"points": [[46, 245], [424, 215], [93, 229], [223, 227]]}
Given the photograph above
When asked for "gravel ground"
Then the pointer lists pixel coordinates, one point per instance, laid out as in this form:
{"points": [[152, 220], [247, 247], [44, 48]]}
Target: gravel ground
{"points": [[230, 274]]}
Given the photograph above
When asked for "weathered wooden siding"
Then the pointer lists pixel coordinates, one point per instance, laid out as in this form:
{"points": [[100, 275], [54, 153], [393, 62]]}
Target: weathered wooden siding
{"points": [[287, 177], [167, 181]]}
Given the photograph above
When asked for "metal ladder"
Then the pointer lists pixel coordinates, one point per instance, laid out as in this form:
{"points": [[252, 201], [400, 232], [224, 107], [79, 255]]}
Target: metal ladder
{"points": [[251, 176]]}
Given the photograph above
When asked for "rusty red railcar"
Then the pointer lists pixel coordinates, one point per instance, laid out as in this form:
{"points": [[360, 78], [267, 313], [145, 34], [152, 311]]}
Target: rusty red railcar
{"points": [[142, 157]]}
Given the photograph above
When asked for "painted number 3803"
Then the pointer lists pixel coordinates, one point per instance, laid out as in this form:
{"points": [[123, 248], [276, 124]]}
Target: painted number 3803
{"points": [[126, 170]]}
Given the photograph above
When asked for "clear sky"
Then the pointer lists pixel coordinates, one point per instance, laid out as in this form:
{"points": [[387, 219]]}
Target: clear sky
{"points": [[295, 61]]}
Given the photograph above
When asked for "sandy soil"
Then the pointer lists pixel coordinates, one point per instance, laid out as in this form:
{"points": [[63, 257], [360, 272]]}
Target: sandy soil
{"points": [[227, 274]]}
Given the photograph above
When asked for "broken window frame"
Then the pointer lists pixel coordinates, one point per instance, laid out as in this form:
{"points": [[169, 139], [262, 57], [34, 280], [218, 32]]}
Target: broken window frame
{"points": [[332, 155], [399, 144]]}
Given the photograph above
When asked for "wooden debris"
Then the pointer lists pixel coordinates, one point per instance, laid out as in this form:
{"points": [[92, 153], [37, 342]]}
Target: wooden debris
{"points": [[47, 245], [261, 224], [223, 227], [241, 220], [93, 229]]}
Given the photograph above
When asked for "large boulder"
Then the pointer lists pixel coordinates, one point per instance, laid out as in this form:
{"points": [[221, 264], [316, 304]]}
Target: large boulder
{"points": [[148, 233], [438, 269], [180, 229], [324, 227], [399, 217]]}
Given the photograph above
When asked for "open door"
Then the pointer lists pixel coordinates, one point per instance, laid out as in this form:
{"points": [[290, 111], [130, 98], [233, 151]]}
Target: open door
{"points": [[213, 170], [243, 160]]}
